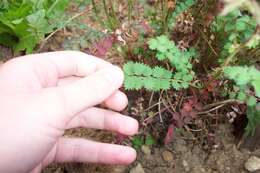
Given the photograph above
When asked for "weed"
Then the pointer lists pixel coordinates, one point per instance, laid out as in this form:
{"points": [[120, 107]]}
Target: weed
{"points": [[179, 9], [111, 21], [238, 33], [23, 24], [139, 75], [139, 141], [234, 30], [246, 78]]}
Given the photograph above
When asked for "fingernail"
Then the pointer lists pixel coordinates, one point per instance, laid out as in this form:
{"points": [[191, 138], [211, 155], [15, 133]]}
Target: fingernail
{"points": [[114, 75], [127, 156], [130, 126]]}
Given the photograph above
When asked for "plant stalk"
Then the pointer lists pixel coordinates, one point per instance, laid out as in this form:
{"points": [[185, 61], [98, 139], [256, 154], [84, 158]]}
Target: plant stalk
{"points": [[130, 10]]}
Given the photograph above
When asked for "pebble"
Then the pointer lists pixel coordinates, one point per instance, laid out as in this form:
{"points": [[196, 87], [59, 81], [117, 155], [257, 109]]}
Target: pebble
{"points": [[186, 166], [167, 156], [137, 169], [146, 150], [180, 146], [253, 164]]}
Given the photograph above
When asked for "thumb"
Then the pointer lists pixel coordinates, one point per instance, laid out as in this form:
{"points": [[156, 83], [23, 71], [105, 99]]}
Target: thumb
{"points": [[87, 92]]}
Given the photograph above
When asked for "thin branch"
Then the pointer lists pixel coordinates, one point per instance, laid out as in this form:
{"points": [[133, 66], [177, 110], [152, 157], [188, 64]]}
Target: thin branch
{"points": [[220, 103], [211, 110], [159, 107], [58, 29], [205, 38]]}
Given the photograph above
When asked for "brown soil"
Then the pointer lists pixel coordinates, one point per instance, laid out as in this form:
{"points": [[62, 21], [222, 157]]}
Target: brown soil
{"points": [[185, 156]]}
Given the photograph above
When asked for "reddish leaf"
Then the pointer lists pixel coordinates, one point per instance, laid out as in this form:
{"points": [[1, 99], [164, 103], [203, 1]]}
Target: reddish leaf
{"points": [[147, 28], [204, 94], [120, 138], [220, 6], [187, 116], [198, 106], [103, 46], [177, 121], [169, 136], [188, 111], [209, 19], [212, 85], [187, 107]]}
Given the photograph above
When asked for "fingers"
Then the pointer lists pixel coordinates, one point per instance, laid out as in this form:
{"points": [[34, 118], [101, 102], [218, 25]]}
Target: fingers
{"points": [[117, 102], [86, 92], [104, 119], [80, 150], [49, 67], [68, 80]]}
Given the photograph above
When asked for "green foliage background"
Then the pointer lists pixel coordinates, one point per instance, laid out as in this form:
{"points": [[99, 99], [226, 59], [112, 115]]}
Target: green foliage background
{"points": [[24, 23]]}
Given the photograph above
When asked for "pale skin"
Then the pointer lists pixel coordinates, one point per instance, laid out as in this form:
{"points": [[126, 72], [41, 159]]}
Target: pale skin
{"points": [[42, 95]]}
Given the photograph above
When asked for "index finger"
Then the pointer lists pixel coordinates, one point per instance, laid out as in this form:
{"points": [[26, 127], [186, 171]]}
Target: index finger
{"points": [[50, 67]]}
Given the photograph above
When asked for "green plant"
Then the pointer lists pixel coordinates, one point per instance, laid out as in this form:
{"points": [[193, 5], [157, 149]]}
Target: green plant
{"points": [[149, 140], [179, 9], [163, 17], [24, 23], [111, 21], [139, 75], [235, 32], [246, 79], [138, 141]]}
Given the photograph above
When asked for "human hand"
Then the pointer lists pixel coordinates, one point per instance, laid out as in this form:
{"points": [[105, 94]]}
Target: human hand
{"points": [[43, 95]]}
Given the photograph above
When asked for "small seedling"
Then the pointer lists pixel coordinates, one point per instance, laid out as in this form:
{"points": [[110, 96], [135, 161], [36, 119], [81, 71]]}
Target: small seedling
{"points": [[247, 78], [139, 75]]}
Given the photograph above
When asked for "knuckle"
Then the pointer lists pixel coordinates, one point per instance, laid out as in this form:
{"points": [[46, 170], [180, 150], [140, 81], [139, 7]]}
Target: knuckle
{"points": [[63, 107], [75, 152], [111, 121], [13, 64]]}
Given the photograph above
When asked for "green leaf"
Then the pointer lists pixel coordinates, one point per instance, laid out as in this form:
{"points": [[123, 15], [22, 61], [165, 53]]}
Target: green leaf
{"points": [[241, 26], [158, 78], [232, 95], [252, 101], [29, 21], [176, 85], [164, 84], [137, 142], [160, 72], [161, 56], [138, 75], [153, 44], [256, 85], [7, 39], [185, 85], [142, 70], [39, 24], [27, 43], [149, 140], [253, 117], [129, 68], [241, 96], [133, 83], [57, 9]]}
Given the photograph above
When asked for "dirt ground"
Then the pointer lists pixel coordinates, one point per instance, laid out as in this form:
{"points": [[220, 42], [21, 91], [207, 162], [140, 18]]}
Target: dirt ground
{"points": [[180, 156]]}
